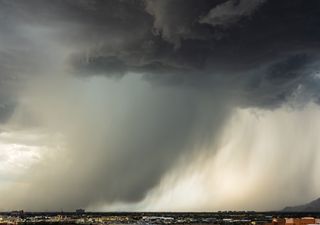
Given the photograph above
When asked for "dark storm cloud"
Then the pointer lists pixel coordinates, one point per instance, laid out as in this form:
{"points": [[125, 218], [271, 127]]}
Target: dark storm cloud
{"points": [[248, 36], [279, 81], [169, 37], [257, 53]]}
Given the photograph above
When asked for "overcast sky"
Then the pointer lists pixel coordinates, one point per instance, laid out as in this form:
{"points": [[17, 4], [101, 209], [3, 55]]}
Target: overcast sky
{"points": [[162, 105]]}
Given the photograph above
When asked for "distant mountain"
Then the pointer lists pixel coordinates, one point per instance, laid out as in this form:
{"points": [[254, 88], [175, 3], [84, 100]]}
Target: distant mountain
{"points": [[313, 206]]}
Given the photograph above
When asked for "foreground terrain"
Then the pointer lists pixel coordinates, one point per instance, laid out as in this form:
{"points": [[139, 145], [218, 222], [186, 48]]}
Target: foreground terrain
{"points": [[221, 218]]}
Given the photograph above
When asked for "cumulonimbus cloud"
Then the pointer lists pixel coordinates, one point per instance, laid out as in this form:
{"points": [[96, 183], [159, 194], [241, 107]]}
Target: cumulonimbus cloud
{"points": [[197, 60]]}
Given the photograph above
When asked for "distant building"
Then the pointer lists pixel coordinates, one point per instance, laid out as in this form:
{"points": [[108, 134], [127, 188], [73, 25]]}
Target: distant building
{"points": [[307, 220], [298, 221], [290, 221], [279, 221], [80, 211], [17, 213]]}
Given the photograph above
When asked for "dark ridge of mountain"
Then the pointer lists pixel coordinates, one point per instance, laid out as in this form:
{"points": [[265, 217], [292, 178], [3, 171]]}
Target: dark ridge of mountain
{"points": [[313, 206]]}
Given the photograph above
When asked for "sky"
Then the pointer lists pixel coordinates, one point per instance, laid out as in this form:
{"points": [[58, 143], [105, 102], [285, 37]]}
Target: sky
{"points": [[159, 105]]}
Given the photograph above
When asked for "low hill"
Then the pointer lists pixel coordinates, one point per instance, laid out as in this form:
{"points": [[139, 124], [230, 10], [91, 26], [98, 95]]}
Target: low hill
{"points": [[313, 206]]}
